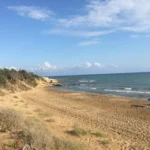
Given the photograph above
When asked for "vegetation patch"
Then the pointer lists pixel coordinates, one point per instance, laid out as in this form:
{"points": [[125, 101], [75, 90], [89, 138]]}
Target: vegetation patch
{"points": [[78, 131], [12, 77], [105, 142], [98, 134], [31, 134], [44, 114], [50, 120]]}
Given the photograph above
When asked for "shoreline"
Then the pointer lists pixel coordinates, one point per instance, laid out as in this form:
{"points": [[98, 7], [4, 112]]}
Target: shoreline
{"points": [[102, 94], [119, 119]]}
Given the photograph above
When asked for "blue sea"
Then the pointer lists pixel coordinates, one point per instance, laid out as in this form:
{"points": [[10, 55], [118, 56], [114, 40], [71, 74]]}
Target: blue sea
{"points": [[134, 85]]}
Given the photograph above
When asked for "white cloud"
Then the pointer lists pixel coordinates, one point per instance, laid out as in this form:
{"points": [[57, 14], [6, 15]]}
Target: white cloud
{"points": [[87, 43], [77, 32], [47, 65], [32, 12], [87, 65], [11, 67], [114, 65], [96, 64], [129, 15]]}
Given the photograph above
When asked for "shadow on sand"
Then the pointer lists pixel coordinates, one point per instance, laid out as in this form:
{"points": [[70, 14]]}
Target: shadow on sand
{"points": [[141, 106]]}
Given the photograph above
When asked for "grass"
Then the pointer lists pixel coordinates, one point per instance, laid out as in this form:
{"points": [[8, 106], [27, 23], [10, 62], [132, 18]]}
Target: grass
{"points": [[67, 145], [9, 120], [50, 120], [32, 134], [78, 131], [12, 76], [44, 114], [98, 134], [105, 142]]}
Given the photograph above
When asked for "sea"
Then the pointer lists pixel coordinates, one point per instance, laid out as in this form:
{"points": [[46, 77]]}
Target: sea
{"points": [[133, 85]]}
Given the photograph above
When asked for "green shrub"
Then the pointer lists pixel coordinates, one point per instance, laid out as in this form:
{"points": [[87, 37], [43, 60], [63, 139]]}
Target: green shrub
{"points": [[98, 134], [3, 80], [12, 76], [78, 131]]}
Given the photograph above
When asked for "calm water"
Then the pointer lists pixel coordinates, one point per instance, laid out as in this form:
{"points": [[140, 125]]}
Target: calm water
{"points": [[135, 85]]}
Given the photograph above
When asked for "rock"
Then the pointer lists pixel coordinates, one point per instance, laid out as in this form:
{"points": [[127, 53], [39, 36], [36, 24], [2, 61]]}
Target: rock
{"points": [[49, 80]]}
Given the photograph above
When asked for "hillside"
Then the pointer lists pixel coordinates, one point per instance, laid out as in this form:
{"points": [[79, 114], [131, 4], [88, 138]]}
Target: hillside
{"points": [[20, 127], [12, 80]]}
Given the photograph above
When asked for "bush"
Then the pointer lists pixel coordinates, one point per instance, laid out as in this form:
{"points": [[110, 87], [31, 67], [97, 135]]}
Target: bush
{"points": [[12, 76], [9, 120], [78, 131], [3, 80]]}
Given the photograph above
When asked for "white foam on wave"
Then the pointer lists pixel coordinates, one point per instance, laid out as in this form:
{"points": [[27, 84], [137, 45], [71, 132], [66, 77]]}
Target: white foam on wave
{"points": [[92, 81], [83, 80], [93, 88], [127, 91]]}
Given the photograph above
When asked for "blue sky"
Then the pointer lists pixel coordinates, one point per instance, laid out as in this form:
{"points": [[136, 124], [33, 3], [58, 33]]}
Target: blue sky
{"points": [[75, 36]]}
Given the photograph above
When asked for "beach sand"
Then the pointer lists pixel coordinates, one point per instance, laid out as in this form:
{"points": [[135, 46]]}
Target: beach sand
{"points": [[122, 123]]}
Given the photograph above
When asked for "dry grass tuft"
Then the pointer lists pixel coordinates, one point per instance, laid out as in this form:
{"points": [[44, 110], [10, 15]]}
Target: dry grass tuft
{"points": [[105, 142], [78, 131], [50, 120], [35, 134], [44, 114], [98, 134], [9, 120], [31, 133], [67, 145]]}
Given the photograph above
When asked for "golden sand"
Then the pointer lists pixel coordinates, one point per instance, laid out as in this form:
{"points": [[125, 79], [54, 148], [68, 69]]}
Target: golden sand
{"points": [[123, 123]]}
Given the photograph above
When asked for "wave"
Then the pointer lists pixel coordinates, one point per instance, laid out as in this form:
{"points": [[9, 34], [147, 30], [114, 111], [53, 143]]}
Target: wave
{"points": [[91, 80], [93, 88], [84, 80], [127, 91]]}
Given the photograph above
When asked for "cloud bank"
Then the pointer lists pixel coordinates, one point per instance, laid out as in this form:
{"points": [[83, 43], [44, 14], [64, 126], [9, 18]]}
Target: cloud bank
{"points": [[100, 17], [130, 15], [32, 12]]}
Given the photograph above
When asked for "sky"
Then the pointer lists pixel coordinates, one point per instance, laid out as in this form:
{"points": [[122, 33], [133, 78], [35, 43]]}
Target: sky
{"points": [[75, 37]]}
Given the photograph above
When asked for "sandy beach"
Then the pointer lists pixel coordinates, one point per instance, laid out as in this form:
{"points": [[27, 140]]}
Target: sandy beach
{"points": [[124, 123]]}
